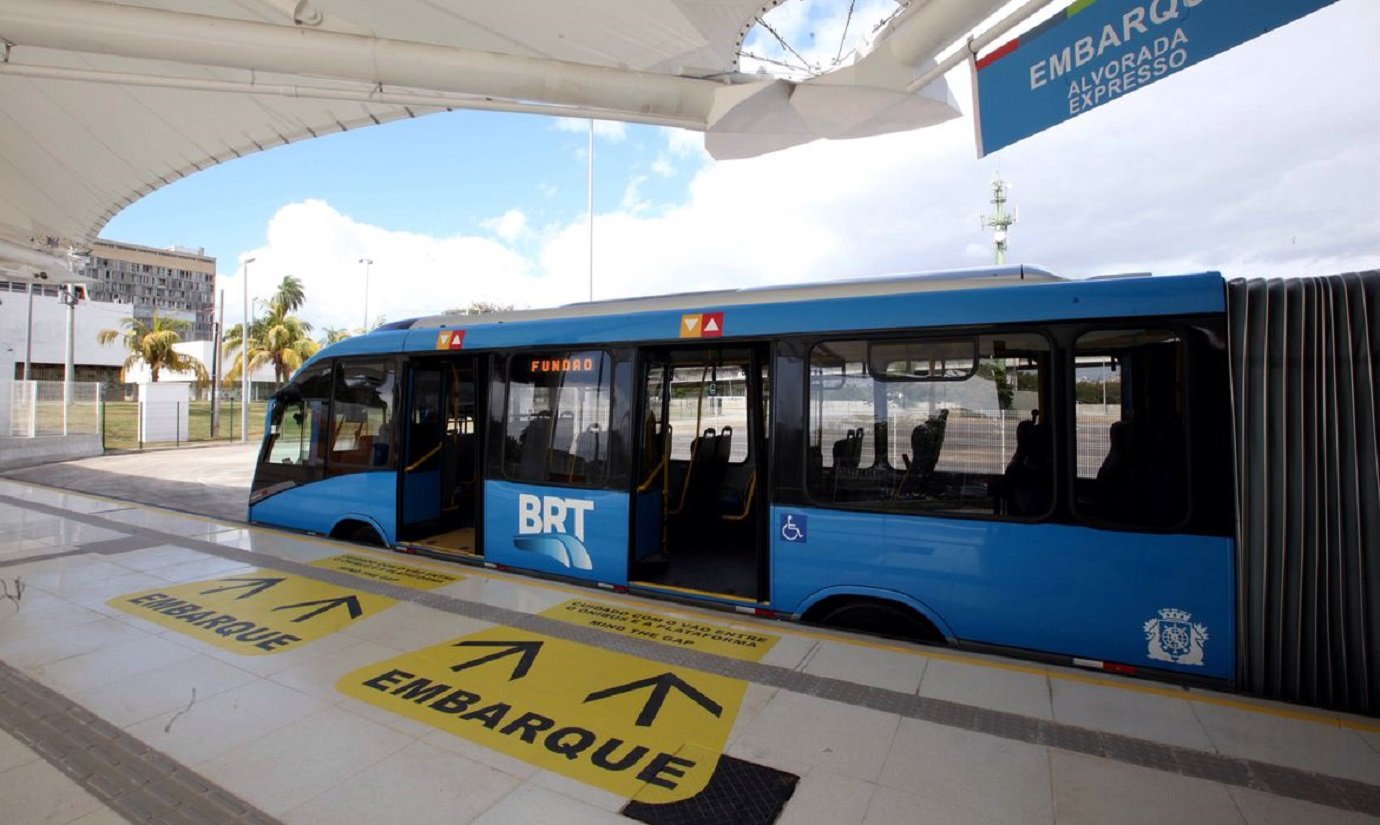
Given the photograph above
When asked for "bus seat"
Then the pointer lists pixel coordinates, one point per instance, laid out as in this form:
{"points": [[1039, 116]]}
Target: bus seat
{"points": [[701, 449], [848, 450], [926, 440], [381, 451], [1115, 476], [1027, 481], [723, 446], [535, 442]]}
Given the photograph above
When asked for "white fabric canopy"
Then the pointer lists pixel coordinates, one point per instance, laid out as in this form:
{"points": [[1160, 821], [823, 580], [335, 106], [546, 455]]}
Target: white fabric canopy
{"points": [[103, 102]]}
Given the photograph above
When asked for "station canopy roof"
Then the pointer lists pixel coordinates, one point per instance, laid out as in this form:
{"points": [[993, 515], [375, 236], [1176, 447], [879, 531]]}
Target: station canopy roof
{"points": [[103, 102]]}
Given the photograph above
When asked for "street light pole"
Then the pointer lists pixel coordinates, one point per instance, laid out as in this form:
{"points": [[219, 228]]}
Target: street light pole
{"points": [[368, 262], [589, 207], [244, 359]]}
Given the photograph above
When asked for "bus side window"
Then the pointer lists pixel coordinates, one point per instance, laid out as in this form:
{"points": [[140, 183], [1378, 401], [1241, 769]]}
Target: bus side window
{"points": [[361, 434], [1132, 462], [299, 415], [559, 409], [947, 425]]}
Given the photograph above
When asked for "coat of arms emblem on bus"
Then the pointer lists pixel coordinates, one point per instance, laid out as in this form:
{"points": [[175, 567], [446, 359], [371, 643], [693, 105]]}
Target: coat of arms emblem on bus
{"points": [[1172, 638]]}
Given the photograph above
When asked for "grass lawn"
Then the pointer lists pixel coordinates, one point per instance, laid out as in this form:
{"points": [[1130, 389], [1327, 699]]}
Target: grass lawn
{"points": [[122, 433]]}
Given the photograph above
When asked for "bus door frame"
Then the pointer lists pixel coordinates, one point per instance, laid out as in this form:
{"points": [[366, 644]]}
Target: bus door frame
{"points": [[481, 367], [760, 361]]}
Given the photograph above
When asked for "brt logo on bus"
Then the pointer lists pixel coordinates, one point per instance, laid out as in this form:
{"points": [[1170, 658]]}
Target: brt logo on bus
{"points": [[554, 527]]}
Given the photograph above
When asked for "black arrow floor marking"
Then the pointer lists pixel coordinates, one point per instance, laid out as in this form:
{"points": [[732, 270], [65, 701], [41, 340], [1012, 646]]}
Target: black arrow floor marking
{"points": [[661, 686], [528, 650], [326, 604], [254, 586]]}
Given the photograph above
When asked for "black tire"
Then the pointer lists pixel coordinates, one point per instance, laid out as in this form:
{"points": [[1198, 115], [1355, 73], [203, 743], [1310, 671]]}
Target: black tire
{"points": [[359, 533], [880, 618]]}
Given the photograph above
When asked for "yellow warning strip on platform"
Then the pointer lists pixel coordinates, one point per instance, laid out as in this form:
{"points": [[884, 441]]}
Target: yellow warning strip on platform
{"points": [[388, 571], [655, 627], [690, 591]]}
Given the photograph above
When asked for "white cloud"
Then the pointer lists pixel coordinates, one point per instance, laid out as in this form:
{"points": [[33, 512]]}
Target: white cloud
{"points": [[614, 130], [633, 202], [412, 274], [1260, 161], [683, 143], [509, 227]]}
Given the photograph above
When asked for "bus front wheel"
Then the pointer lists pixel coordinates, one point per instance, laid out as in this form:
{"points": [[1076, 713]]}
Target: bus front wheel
{"points": [[357, 532]]}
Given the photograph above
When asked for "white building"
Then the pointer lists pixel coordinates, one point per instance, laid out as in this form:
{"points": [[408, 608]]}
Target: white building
{"points": [[48, 345]]}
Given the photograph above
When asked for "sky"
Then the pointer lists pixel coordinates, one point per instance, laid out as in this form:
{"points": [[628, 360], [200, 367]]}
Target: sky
{"points": [[1264, 160]]}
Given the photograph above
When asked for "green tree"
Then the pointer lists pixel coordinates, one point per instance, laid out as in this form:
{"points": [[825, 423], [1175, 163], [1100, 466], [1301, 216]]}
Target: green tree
{"points": [[152, 344], [479, 308], [280, 338], [334, 335], [289, 297]]}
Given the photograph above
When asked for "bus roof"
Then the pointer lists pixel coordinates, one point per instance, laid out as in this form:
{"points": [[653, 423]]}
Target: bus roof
{"points": [[964, 298], [848, 288]]}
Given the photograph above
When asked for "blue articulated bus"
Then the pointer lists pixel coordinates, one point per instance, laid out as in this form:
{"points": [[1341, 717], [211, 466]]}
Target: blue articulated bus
{"points": [[1079, 471]]}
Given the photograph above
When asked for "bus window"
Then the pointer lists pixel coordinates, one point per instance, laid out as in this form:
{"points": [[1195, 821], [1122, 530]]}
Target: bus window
{"points": [[361, 435], [940, 425], [557, 420], [293, 451], [1132, 453], [299, 413], [709, 396]]}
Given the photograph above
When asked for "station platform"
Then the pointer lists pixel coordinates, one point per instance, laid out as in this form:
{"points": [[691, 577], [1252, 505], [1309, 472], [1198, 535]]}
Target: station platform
{"points": [[159, 666]]}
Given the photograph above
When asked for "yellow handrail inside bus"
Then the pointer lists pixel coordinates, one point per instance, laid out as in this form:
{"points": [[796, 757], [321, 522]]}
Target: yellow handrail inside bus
{"points": [[414, 465], [651, 476]]}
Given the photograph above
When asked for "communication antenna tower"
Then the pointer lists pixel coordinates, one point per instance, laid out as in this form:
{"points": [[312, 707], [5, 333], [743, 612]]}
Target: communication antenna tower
{"points": [[1001, 222]]}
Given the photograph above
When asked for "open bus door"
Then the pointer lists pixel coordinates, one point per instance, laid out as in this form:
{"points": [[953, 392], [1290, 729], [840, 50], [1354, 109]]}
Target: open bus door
{"points": [[439, 498], [700, 494]]}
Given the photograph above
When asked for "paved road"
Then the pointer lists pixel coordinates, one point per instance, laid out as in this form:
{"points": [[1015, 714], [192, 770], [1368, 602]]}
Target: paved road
{"points": [[209, 481]]}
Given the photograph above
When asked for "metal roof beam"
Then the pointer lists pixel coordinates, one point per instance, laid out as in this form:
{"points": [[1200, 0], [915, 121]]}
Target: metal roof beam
{"points": [[198, 40]]}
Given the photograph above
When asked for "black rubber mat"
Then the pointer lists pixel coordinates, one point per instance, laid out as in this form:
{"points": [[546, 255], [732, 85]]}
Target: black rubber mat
{"points": [[738, 792]]}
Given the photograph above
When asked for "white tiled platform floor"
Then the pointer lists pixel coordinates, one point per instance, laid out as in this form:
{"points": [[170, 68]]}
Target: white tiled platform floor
{"points": [[274, 731]]}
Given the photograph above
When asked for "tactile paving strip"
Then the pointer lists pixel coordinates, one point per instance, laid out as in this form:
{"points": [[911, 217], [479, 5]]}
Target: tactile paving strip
{"points": [[1334, 792], [132, 779]]}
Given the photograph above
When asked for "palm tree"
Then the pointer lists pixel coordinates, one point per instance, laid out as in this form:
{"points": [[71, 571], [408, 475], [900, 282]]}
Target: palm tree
{"points": [[285, 341], [280, 338], [152, 344], [290, 296], [334, 335]]}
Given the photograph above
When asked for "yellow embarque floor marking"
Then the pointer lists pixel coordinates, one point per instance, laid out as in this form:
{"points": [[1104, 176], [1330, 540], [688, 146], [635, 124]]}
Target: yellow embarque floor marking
{"points": [[633, 727], [655, 627], [254, 612], [387, 570], [1302, 715]]}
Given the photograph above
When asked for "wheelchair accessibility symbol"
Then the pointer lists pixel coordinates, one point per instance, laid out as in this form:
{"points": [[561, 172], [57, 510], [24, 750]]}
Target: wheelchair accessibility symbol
{"points": [[793, 527]]}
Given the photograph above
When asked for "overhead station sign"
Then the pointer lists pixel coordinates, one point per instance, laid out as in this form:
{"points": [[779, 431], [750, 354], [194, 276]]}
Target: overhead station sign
{"points": [[1096, 51]]}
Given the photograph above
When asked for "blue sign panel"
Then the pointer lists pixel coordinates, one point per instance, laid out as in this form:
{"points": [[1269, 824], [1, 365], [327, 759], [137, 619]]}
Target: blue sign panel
{"points": [[794, 527], [570, 532], [1096, 51]]}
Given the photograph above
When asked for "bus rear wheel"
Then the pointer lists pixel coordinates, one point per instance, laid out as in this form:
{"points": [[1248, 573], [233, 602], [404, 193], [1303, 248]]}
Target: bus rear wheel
{"points": [[876, 616]]}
